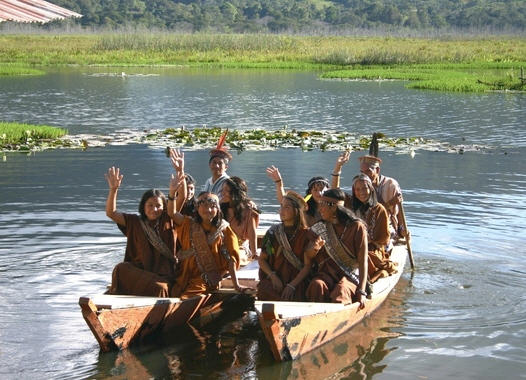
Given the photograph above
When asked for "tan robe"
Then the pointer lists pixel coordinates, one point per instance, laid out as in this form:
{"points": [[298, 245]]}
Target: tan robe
{"points": [[378, 234], [283, 268], [330, 283], [242, 231], [144, 272], [190, 282]]}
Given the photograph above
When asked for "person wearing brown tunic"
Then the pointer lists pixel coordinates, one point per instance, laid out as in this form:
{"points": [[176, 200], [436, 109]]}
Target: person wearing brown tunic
{"points": [[344, 252], [242, 214], [209, 247], [365, 205], [286, 253], [149, 266]]}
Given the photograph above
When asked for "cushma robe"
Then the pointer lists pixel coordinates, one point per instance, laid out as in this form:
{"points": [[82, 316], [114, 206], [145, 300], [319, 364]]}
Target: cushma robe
{"points": [[330, 284], [283, 268], [145, 271], [189, 282]]}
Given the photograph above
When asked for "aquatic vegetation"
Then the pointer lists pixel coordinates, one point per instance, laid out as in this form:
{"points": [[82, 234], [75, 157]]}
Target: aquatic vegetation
{"points": [[18, 69], [27, 137], [204, 138], [441, 77]]}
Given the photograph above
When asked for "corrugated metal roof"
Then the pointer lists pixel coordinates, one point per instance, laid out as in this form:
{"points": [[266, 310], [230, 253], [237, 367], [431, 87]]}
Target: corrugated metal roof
{"points": [[32, 11]]}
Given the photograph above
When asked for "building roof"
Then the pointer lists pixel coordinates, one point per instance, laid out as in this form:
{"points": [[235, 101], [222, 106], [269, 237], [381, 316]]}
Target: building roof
{"points": [[32, 11]]}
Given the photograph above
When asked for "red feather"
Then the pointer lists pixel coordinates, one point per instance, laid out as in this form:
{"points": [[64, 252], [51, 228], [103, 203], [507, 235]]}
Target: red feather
{"points": [[221, 141]]}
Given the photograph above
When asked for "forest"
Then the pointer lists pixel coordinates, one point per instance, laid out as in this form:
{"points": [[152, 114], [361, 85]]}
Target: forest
{"points": [[302, 16]]}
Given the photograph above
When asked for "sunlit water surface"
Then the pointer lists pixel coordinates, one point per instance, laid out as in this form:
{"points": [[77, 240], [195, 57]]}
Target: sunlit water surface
{"points": [[462, 313]]}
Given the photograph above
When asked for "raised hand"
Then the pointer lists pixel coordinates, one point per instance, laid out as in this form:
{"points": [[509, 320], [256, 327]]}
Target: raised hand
{"points": [[273, 173], [113, 177], [177, 160], [342, 159]]}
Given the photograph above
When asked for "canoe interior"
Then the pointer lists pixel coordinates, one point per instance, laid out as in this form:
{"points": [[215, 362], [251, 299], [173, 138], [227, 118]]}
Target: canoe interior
{"points": [[295, 328]]}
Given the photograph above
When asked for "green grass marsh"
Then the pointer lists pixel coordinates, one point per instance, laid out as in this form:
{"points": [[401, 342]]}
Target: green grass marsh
{"points": [[447, 64], [20, 136]]}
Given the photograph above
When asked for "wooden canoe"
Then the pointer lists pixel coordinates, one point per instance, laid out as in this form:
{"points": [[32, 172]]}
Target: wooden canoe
{"points": [[295, 328], [117, 321]]}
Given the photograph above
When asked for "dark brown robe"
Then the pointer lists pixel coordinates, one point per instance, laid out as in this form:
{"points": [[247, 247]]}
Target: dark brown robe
{"points": [[283, 268], [330, 284], [145, 271]]}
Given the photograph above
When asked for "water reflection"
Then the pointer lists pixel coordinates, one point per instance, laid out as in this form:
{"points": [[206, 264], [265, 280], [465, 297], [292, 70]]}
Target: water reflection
{"points": [[465, 305]]}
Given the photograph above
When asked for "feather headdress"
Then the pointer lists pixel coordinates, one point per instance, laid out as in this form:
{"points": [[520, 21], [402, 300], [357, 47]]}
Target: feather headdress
{"points": [[372, 158], [221, 150]]}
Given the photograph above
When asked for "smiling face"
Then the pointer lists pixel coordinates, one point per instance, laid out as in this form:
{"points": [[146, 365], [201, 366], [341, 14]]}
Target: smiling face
{"points": [[361, 191], [218, 167], [153, 208], [327, 210], [318, 189], [207, 206]]}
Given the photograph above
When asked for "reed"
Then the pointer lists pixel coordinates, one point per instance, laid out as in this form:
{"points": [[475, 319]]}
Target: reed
{"points": [[16, 135]]}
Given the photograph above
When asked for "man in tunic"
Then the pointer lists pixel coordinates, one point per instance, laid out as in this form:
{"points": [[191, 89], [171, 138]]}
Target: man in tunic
{"points": [[388, 191], [218, 164], [344, 253]]}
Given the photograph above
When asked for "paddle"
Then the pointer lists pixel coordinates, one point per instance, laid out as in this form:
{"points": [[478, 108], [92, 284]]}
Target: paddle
{"points": [[408, 235]]}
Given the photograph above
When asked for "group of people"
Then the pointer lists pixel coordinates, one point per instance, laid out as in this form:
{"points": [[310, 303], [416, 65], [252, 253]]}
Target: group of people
{"points": [[328, 247]]}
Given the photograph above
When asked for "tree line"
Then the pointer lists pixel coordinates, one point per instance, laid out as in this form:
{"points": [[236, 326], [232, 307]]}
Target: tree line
{"points": [[301, 15]]}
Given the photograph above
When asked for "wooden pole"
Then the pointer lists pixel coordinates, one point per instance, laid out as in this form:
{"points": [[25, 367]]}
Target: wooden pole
{"points": [[408, 236]]}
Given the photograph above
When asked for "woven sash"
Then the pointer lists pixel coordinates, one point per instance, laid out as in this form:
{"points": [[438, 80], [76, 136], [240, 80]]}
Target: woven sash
{"points": [[156, 242], [342, 256], [281, 237], [203, 256]]}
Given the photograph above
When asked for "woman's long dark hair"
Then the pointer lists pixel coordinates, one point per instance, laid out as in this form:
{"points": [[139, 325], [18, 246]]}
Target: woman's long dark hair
{"points": [[239, 200], [147, 195], [359, 206], [343, 214], [216, 222], [313, 206]]}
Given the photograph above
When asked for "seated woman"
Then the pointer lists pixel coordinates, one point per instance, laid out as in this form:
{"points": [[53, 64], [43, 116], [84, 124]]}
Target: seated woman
{"points": [[150, 260], [315, 188], [365, 205], [287, 253], [345, 251], [242, 214], [209, 247]]}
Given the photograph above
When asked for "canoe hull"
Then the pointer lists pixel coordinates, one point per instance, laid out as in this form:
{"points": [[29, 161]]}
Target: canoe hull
{"points": [[290, 337], [118, 327]]}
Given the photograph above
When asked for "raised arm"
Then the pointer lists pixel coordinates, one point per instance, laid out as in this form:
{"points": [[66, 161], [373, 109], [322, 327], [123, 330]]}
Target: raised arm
{"points": [[274, 174], [114, 178], [335, 175], [177, 192]]}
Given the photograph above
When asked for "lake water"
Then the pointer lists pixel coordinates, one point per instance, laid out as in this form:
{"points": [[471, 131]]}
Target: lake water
{"points": [[461, 314]]}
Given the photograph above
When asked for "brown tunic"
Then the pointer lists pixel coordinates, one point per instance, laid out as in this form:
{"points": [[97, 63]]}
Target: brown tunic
{"points": [[190, 282], [377, 220], [330, 283], [145, 271], [283, 268]]}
